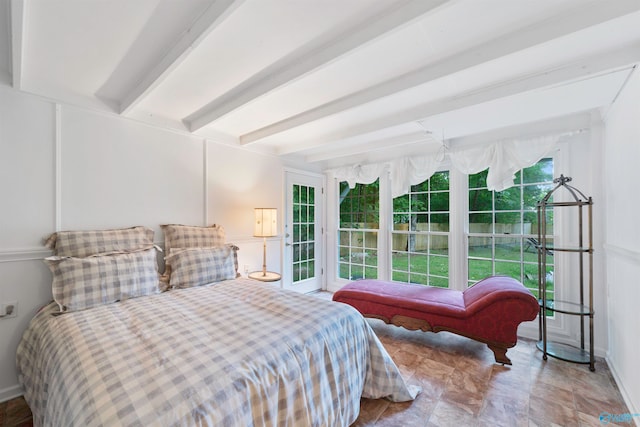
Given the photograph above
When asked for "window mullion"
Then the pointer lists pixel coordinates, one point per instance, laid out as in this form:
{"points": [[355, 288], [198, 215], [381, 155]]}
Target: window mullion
{"points": [[459, 228], [384, 228]]}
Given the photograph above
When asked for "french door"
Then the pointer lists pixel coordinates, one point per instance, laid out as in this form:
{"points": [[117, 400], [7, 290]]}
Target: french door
{"points": [[304, 240]]}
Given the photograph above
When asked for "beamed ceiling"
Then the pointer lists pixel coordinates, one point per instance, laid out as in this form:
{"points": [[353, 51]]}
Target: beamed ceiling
{"points": [[327, 82]]}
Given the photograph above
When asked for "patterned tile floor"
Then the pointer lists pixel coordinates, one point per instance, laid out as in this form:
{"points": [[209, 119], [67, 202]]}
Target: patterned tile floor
{"points": [[462, 386]]}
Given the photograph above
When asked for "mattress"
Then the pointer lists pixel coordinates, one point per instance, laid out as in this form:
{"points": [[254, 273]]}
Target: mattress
{"points": [[233, 353]]}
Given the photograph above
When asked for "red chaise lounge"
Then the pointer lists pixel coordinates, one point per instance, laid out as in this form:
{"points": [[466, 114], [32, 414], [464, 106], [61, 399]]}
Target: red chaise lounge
{"points": [[489, 311]]}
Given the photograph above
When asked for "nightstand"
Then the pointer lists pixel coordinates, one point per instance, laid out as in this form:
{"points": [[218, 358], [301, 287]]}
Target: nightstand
{"points": [[269, 276]]}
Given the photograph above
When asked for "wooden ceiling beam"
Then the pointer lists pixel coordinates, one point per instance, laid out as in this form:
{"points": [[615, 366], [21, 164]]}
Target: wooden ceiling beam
{"points": [[569, 123], [586, 67], [312, 56], [205, 24], [584, 16]]}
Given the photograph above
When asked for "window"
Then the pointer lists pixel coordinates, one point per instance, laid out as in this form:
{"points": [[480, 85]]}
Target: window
{"points": [[358, 231], [420, 237], [432, 236], [503, 227]]}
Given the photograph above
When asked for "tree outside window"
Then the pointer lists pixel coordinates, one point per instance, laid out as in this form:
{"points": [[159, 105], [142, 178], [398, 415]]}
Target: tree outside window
{"points": [[358, 231], [420, 237], [503, 226]]}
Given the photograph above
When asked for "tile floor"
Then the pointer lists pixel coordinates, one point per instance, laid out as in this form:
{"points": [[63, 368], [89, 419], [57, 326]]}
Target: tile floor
{"points": [[462, 386]]}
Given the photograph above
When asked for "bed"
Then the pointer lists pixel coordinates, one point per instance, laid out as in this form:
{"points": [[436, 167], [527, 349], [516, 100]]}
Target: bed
{"points": [[235, 352]]}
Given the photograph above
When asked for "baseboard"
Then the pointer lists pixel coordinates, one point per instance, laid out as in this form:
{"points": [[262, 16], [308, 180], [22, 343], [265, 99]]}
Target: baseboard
{"points": [[633, 410], [11, 393]]}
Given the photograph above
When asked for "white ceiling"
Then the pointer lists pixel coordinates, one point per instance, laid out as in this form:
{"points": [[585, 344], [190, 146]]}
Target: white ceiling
{"points": [[327, 82]]}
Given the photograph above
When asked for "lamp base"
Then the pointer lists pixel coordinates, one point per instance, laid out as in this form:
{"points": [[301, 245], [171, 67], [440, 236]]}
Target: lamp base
{"points": [[268, 276]]}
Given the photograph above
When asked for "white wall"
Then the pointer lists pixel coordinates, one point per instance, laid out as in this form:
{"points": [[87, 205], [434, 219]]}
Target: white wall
{"points": [[621, 156], [27, 174], [63, 167], [116, 173], [581, 160]]}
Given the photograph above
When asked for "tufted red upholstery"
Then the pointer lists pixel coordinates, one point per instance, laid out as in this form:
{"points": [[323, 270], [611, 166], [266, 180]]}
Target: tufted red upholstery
{"points": [[490, 311]]}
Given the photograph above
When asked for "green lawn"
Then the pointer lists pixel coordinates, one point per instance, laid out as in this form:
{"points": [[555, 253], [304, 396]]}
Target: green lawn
{"points": [[413, 268]]}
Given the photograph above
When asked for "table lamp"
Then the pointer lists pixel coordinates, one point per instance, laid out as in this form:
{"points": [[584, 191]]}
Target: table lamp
{"points": [[265, 225]]}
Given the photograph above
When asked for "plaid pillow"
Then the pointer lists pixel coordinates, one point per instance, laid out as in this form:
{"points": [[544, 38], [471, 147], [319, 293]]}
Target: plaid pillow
{"points": [[81, 283], [188, 236], [199, 266], [179, 236], [87, 243]]}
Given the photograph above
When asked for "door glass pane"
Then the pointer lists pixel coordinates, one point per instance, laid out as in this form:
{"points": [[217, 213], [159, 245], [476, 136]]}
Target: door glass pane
{"points": [[303, 235]]}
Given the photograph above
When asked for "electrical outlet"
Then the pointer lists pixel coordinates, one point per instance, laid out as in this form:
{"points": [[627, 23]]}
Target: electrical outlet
{"points": [[8, 309], [246, 269]]}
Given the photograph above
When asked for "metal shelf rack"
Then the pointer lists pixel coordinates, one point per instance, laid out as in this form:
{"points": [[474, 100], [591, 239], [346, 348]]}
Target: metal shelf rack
{"points": [[584, 252]]}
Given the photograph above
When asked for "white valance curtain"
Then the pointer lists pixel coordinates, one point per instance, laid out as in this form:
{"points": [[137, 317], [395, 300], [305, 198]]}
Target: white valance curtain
{"points": [[408, 171], [359, 174], [503, 158]]}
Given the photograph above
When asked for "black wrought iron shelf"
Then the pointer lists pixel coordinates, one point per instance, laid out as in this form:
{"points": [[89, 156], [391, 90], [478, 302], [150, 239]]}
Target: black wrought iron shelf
{"points": [[584, 277]]}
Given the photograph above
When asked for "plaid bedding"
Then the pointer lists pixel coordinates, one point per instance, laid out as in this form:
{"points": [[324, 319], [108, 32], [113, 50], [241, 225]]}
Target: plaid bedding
{"points": [[235, 353]]}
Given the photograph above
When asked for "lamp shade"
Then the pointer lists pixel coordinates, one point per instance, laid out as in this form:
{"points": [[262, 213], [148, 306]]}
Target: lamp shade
{"points": [[266, 222]]}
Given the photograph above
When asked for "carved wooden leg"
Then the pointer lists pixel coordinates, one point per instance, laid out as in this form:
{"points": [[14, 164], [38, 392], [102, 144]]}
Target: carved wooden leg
{"points": [[500, 354]]}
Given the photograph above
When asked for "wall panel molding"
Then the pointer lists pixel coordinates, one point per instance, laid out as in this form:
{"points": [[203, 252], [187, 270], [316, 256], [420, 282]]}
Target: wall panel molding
{"points": [[26, 254], [57, 167], [205, 185]]}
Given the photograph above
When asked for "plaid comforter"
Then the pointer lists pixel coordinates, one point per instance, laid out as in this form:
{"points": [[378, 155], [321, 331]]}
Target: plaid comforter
{"points": [[235, 353]]}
